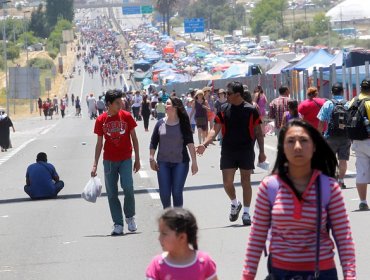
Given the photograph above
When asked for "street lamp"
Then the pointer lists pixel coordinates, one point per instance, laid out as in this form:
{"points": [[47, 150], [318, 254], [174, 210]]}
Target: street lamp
{"points": [[25, 33], [5, 56]]}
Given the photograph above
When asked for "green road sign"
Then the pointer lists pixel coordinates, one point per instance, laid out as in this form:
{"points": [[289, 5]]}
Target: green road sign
{"points": [[146, 9]]}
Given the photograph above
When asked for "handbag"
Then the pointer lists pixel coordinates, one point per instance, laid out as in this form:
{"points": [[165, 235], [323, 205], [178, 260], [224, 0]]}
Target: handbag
{"points": [[316, 274]]}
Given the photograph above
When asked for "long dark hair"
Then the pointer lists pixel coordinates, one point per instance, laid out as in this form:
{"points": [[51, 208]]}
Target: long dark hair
{"points": [[259, 91], [323, 158], [182, 221], [293, 105], [182, 114]]}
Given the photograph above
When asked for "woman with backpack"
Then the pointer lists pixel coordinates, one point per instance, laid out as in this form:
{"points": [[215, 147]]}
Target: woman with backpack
{"points": [[297, 202]]}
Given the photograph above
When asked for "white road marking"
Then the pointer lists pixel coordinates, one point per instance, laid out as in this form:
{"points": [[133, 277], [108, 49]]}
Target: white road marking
{"points": [[355, 199], [5, 216], [154, 194], [48, 129], [82, 84], [15, 151], [143, 174]]}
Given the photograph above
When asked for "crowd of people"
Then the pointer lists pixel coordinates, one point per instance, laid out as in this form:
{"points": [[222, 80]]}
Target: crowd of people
{"points": [[305, 165], [297, 206]]}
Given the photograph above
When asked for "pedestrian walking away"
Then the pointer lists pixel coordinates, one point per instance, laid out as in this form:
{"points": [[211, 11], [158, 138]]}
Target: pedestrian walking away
{"points": [[5, 125], [199, 111], [359, 133], [160, 109], [91, 104], [299, 204], [333, 115], [137, 100], [145, 111], [100, 105], [292, 113], [39, 104], [117, 127], [241, 127], [181, 259], [174, 137], [62, 108], [310, 108], [42, 180], [78, 106], [278, 106]]}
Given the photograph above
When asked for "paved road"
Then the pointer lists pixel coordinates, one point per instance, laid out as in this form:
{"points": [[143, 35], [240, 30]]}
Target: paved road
{"points": [[68, 238]]}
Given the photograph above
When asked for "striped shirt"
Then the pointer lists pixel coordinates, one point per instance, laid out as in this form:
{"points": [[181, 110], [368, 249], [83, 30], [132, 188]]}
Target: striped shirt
{"points": [[293, 231], [277, 108]]}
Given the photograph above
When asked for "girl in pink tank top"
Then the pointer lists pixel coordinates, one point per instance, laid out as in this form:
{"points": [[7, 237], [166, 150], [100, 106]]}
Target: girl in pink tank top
{"points": [[181, 259]]}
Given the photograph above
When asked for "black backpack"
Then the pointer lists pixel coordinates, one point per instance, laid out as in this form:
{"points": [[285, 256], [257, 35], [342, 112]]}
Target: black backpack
{"points": [[339, 119], [355, 125]]}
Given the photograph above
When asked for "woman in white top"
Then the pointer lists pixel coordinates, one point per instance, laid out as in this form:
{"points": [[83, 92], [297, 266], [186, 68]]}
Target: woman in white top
{"points": [[136, 104]]}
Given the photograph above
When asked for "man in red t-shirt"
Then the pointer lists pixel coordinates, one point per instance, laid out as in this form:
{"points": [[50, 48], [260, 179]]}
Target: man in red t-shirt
{"points": [[310, 108], [118, 129]]}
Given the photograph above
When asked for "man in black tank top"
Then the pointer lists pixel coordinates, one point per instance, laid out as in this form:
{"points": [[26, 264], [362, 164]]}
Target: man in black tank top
{"points": [[240, 124]]}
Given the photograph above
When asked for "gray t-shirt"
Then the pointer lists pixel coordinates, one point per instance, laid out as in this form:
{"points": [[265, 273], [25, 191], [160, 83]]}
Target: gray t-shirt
{"points": [[170, 143]]}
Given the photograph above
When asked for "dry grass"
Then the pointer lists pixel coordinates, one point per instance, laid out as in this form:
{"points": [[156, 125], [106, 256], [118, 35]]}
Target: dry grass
{"points": [[22, 107]]}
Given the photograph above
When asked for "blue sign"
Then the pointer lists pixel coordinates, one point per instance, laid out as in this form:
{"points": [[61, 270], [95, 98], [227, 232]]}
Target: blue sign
{"points": [[131, 10], [193, 25]]}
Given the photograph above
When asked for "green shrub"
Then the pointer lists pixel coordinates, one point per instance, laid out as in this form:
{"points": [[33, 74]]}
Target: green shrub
{"points": [[53, 52], [42, 63]]}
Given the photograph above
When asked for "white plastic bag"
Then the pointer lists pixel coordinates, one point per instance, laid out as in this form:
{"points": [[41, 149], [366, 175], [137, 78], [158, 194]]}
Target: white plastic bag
{"points": [[92, 190]]}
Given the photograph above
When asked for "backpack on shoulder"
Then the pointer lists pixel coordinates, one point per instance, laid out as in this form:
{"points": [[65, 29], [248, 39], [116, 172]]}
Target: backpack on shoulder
{"points": [[356, 128], [337, 126]]}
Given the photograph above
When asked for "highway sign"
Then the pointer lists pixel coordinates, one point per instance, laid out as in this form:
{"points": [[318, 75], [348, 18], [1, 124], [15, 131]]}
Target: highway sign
{"points": [[131, 10], [146, 9], [193, 25]]}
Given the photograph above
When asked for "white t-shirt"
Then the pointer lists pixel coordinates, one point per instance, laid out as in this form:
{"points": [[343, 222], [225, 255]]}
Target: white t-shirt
{"points": [[137, 99], [154, 98]]}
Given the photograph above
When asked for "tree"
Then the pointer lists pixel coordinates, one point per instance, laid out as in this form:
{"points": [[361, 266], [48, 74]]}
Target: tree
{"points": [[320, 24], [38, 23], [165, 8], [267, 10], [56, 9]]}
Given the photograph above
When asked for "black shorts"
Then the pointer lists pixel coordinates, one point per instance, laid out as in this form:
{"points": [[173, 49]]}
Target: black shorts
{"points": [[240, 159]]}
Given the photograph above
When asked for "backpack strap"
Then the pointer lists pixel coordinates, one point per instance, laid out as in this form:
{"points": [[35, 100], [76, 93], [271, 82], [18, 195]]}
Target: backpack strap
{"points": [[272, 189], [325, 190]]}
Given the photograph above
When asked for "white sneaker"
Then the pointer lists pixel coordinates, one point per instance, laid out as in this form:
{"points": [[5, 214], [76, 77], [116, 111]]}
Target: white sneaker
{"points": [[131, 224], [246, 219], [117, 230]]}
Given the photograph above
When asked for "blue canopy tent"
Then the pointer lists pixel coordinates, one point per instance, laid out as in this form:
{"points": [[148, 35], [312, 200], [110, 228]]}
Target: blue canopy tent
{"points": [[319, 57], [142, 64], [163, 65], [236, 71]]}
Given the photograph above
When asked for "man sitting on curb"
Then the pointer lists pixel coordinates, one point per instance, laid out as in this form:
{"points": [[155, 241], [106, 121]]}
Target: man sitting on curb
{"points": [[42, 180]]}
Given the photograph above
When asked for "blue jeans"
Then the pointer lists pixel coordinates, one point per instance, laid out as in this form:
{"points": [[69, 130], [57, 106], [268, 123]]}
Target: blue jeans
{"points": [[58, 186], [123, 170], [171, 181], [280, 274], [160, 116]]}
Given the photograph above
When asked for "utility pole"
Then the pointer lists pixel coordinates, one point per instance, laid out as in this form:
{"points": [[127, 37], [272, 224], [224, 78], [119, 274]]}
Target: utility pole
{"points": [[26, 49], [3, 3]]}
